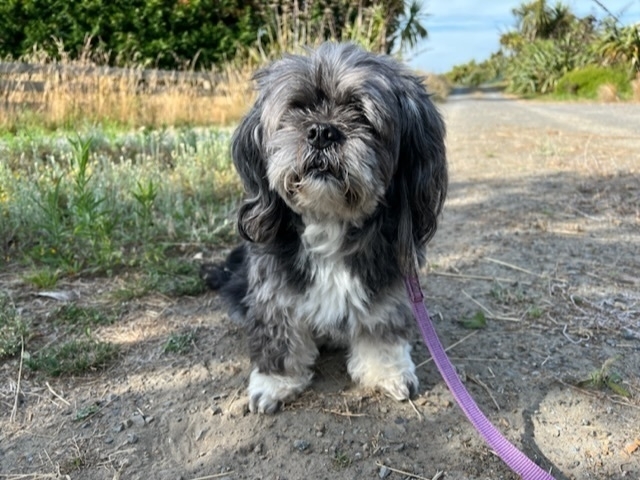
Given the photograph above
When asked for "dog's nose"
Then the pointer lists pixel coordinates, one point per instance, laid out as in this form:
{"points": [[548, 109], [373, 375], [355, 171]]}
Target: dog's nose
{"points": [[322, 135]]}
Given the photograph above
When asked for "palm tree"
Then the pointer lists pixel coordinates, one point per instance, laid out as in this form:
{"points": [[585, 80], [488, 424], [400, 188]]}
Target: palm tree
{"points": [[410, 29], [536, 20]]}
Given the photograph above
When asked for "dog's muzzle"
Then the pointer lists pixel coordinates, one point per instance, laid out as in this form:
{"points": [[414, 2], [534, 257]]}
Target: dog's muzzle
{"points": [[322, 135]]}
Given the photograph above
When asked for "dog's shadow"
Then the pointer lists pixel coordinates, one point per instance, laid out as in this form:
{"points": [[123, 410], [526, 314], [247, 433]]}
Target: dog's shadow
{"points": [[330, 371]]}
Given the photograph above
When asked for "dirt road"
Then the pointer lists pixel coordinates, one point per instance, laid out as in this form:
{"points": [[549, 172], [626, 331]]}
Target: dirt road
{"points": [[540, 237]]}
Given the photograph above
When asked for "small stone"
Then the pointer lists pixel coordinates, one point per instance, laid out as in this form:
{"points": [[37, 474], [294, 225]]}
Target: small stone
{"points": [[138, 420], [384, 472], [108, 440], [357, 456], [119, 427], [132, 438], [239, 409], [149, 419], [259, 449], [301, 445]]}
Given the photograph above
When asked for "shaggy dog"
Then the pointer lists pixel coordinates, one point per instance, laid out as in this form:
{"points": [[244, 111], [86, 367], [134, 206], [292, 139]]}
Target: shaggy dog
{"points": [[343, 161]]}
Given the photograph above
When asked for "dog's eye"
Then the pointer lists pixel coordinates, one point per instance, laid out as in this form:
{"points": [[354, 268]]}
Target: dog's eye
{"points": [[298, 105]]}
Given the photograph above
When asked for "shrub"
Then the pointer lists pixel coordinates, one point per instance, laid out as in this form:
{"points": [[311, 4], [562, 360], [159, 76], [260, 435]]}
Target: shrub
{"points": [[586, 82]]}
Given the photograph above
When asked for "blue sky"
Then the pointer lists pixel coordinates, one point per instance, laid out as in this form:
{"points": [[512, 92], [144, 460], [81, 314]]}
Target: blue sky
{"points": [[462, 30]]}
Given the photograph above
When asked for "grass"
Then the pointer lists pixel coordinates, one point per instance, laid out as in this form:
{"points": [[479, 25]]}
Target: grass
{"points": [[72, 358], [180, 343], [593, 82], [102, 204], [99, 201], [606, 378], [65, 91], [13, 329]]}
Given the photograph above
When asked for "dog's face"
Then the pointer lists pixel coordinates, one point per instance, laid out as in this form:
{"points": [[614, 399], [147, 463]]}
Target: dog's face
{"points": [[330, 133], [337, 136]]}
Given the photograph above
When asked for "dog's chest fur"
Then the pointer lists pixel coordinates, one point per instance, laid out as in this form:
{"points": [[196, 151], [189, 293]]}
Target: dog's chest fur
{"points": [[334, 297]]}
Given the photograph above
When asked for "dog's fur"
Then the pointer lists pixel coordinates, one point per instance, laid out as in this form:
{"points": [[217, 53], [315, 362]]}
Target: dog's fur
{"points": [[343, 161]]}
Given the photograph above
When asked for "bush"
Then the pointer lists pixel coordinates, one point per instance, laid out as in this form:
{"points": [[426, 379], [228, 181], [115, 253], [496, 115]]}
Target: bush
{"points": [[587, 81]]}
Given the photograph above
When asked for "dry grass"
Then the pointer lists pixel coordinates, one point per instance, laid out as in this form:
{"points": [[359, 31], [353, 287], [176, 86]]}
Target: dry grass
{"points": [[71, 92], [608, 92], [635, 87], [437, 85], [41, 90]]}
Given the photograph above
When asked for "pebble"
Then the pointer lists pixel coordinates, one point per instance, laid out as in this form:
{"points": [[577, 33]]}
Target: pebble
{"points": [[384, 472], [301, 445], [238, 409], [138, 420], [132, 438]]}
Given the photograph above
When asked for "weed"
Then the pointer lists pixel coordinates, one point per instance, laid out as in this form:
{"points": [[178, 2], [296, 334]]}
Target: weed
{"points": [[84, 317], [535, 312], [13, 329], [476, 322], [72, 358], [507, 296], [605, 377], [104, 201], [43, 277], [86, 412], [180, 342], [341, 459]]}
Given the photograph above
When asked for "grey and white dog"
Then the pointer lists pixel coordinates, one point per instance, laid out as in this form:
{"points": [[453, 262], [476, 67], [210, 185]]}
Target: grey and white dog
{"points": [[343, 161]]}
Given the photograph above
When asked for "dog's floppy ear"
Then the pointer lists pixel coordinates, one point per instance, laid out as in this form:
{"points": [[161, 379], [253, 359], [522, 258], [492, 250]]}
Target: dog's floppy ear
{"points": [[421, 179], [261, 214]]}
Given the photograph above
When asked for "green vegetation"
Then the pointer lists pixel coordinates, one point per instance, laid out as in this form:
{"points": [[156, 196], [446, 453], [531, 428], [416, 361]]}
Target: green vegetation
{"points": [[13, 330], [181, 343], [72, 358], [90, 204], [586, 82], [553, 51], [199, 33], [475, 322], [606, 378]]}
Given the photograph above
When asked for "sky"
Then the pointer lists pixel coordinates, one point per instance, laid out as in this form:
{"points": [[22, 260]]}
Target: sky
{"points": [[463, 30]]}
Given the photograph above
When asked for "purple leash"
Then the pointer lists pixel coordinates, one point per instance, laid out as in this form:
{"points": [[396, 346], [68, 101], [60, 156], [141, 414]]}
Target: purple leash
{"points": [[514, 458]]}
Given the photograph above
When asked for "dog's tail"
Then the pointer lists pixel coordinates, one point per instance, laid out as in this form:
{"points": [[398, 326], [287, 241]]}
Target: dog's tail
{"points": [[230, 279], [217, 275]]}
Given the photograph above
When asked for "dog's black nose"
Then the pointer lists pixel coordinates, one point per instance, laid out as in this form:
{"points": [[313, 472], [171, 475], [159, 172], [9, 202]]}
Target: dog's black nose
{"points": [[322, 135]]}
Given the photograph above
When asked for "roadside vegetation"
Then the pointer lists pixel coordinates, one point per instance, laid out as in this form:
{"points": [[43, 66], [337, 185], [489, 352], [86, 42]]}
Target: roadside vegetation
{"points": [[554, 52]]}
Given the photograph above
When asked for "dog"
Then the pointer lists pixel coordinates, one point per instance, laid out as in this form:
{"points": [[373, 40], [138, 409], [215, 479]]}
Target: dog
{"points": [[343, 162]]}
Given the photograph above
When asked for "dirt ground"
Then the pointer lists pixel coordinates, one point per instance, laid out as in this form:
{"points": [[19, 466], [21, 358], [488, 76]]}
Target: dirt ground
{"points": [[541, 233]]}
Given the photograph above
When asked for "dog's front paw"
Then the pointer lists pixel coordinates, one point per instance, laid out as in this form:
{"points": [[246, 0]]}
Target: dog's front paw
{"points": [[385, 367], [401, 387], [268, 392]]}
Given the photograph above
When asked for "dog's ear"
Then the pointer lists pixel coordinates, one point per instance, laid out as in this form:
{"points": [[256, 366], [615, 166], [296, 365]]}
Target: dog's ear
{"points": [[262, 211], [421, 178]]}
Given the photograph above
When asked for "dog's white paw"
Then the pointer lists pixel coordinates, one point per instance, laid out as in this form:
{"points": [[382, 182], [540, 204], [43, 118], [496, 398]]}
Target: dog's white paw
{"points": [[388, 368], [401, 387], [267, 393]]}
